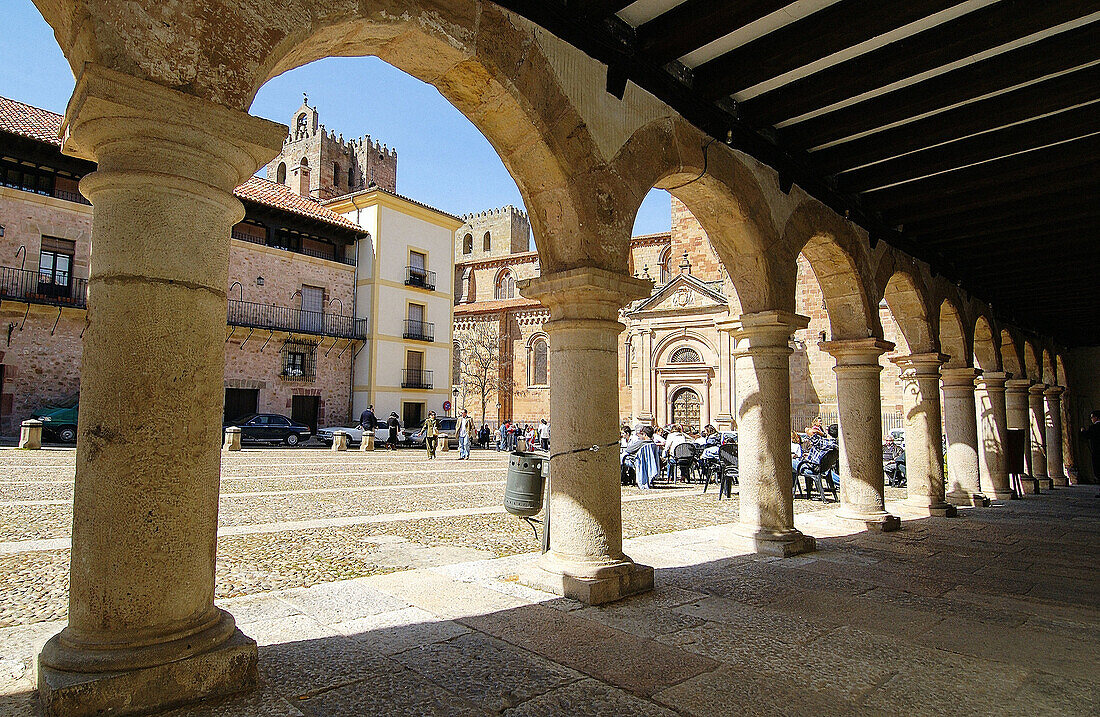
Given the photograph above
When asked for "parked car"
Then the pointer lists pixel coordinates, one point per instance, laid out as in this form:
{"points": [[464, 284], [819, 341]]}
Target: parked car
{"points": [[447, 427], [355, 435], [271, 428], [59, 419]]}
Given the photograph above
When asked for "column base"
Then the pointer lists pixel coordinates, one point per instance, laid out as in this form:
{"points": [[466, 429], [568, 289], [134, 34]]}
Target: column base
{"points": [[882, 522], [780, 544], [1030, 485], [932, 510], [1002, 494], [975, 500], [1059, 481], [608, 583], [228, 668]]}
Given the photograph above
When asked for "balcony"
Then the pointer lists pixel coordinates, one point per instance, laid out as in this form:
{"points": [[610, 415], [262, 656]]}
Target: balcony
{"points": [[42, 288], [333, 255], [419, 278], [419, 330], [284, 318], [416, 378]]}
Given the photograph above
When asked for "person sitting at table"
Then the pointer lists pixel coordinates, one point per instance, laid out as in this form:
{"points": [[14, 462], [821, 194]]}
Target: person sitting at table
{"points": [[646, 459]]}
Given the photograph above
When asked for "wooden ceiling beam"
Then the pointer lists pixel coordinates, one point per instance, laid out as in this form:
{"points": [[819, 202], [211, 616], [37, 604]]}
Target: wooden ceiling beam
{"points": [[1056, 53], [940, 45], [998, 228], [695, 23], [1042, 206]]}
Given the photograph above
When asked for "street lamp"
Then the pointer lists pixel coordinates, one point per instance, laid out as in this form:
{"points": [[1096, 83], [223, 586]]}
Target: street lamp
{"points": [[454, 403]]}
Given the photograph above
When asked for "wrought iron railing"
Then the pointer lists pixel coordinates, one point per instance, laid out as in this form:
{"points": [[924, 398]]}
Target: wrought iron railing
{"points": [[36, 287], [419, 330], [416, 378], [284, 318], [333, 255], [70, 196], [420, 278]]}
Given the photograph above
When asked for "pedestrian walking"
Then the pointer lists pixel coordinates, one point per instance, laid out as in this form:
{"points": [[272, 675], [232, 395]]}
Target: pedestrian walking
{"points": [[464, 429], [394, 425], [431, 434], [544, 435]]}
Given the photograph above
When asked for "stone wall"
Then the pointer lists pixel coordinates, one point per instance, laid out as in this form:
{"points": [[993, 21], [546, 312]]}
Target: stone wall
{"points": [[509, 232], [284, 273]]}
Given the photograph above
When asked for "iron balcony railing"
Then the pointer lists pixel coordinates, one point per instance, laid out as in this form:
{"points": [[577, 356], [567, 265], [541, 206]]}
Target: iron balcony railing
{"points": [[330, 255], [419, 330], [420, 278], [34, 287], [416, 378], [284, 318]]}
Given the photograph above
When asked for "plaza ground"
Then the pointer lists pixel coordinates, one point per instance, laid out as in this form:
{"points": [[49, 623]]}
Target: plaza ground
{"points": [[384, 584]]}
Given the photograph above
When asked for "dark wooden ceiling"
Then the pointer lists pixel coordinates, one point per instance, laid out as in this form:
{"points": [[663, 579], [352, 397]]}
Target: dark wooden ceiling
{"points": [[966, 133]]}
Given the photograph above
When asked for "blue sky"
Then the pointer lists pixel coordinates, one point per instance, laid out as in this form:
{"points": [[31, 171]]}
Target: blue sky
{"points": [[442, 159]]}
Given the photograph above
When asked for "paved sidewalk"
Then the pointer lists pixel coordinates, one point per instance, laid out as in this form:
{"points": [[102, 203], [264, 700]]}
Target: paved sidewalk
{"points": [[996, 612]]}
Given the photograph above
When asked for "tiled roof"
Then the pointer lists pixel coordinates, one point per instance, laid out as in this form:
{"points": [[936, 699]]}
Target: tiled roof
{"points": [[32, 122], [279, 196], [45, 126]]}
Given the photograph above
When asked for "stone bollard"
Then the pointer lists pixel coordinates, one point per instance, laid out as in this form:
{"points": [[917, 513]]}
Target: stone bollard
{"points": [[30, 434], [232, 439], [339, 440], [443, 443], [521, 444], [367, 443]]}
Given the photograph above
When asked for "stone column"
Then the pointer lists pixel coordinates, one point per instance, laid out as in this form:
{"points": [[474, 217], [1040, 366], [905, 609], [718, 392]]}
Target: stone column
{"points": [[1016, 414], [1055, 468], [143, 632], [920, 377], [962, 437], [859, 406], [586, 560], [725, 378], [645, 363], [989, 396], [1038, 435], [763, 373]]}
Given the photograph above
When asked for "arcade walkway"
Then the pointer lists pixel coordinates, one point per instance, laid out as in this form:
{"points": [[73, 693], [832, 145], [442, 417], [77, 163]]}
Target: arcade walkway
{"points": [[996, 612]]}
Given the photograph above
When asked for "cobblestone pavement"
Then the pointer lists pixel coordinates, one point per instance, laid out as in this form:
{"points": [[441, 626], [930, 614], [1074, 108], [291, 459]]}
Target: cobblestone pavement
{"points": [[995, 612], [297, 517]]}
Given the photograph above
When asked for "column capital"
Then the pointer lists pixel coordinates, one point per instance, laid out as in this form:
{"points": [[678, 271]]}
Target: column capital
{"points": [[585, 292], [1054, 391], [962, 376], [923, 363], [129, 125], [856, 351], [1017, 385], [992, 380], [1037, 389]]}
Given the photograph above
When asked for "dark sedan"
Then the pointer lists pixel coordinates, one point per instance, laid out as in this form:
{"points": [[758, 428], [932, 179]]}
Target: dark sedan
{"points": [[271, 428]]}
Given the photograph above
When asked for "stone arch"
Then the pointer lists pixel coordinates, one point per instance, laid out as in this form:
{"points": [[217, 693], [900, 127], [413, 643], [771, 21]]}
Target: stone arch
{"points": [[280, 173], [1049, 377], [468, 243], [1060, 370], [487, 242], [1010, 355], [538, 360], [663, 350], [986, 354], [723, 193], [952, 336], [834, 251], [1031, 362], [504, 286], [907, 304], [304, 162]]}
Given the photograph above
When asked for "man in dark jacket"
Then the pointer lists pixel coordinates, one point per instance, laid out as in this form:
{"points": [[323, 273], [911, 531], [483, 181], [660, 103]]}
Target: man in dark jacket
{"points": [[1092, 434], [367, 420]]}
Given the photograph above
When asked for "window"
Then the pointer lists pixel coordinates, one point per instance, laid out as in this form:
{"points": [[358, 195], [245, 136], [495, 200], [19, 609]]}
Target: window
{"points": [[665, 260], [418, 260], [39, 180], [456, 364], [468, 244], [280, 173], [299, 361], [506, 285], [335, 174], [246, 231], [487, 242], [304, 162], [55, 266], [312, 317], [351, 177], [538, 368], [685, 354]]}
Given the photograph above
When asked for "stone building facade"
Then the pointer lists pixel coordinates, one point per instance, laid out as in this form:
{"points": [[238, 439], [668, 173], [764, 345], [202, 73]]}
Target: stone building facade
{"points": [[321, 164], [674, 361]]}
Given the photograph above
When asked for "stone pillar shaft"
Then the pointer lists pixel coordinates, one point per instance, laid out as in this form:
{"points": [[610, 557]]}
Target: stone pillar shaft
{"points": [[962, 437], [586, 560], [725, 378], [989, 396], [1038, 434], [1016, 414], [860, 415], [1055, 468], [764, 424], [920, 376], [145, 511]]}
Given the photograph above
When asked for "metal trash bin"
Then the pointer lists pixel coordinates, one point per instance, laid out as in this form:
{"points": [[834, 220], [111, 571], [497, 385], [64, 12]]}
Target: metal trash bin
{"points": [[524, 486]]}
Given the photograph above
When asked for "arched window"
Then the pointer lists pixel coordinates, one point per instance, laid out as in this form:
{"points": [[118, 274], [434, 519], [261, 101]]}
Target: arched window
{"points": [[467, 291], [456, 364], [280, 173], [300, 124], [487, 242], [467, 243], [665, 260], [506, 285], [685, 354], [538, 372], [304, 162]]}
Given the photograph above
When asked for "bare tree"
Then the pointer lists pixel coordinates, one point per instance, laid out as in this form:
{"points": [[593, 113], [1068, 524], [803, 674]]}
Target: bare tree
{"points": [[482, 363]]}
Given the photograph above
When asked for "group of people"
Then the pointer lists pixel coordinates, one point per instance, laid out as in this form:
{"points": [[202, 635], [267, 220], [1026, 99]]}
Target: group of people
{"points": [[368, 424], [464, 434], [644, 449], [535, 436]]}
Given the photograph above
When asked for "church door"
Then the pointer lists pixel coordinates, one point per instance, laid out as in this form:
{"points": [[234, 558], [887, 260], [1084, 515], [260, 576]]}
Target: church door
{"points": [[685, 408]]}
